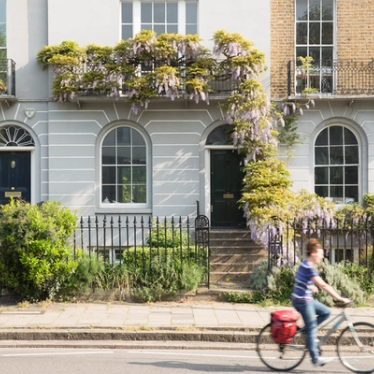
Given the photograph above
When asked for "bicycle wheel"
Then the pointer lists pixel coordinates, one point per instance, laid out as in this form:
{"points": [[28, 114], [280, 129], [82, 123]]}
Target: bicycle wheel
{"points": [[357, 355], [281, 357]]}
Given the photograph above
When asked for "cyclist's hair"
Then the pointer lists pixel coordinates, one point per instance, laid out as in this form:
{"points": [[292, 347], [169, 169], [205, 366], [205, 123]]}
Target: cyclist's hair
{"points": [[312, 246]]}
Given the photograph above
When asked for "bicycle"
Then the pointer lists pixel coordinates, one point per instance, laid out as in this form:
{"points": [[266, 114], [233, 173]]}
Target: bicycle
{"points": [[355, 346]]}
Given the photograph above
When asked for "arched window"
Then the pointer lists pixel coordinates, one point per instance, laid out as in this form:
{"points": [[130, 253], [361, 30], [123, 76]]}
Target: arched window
{"points": [[336, 170], [220, 136], [124, 167]]}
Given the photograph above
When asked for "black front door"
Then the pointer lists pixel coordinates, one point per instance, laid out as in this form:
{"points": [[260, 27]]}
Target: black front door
{"points": [[14, 176], [226, 183]]}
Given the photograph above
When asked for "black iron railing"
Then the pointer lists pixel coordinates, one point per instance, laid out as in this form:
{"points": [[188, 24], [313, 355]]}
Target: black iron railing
{"points": [[344, 241], [135, 241], [7, 77], [332, 77]]}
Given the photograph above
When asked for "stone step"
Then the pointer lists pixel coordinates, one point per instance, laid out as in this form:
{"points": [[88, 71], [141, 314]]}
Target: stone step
{"points": [[232, 268], [238, 277], [237, 250], [229, 242], [235, 258], [225, 234]]}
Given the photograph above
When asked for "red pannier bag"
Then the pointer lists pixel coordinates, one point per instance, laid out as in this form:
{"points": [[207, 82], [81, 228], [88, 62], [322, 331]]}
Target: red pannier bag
{"points": [[283, 326]]}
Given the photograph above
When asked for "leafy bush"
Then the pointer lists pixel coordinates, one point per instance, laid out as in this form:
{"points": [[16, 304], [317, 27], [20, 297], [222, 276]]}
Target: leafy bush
{"points": [[35, 256], [164, 236], [277, 285]]}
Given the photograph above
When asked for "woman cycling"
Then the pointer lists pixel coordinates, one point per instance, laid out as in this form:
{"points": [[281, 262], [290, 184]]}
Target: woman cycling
{"points": [[313, 312]]}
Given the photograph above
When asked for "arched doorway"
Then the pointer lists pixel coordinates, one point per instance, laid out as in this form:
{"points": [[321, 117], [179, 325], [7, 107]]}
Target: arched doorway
{"points": [[226, 179], [16, 145]]}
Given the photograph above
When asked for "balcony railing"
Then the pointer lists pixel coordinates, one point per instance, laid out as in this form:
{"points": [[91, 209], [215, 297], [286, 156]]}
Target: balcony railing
{"points": [[332, 77]]}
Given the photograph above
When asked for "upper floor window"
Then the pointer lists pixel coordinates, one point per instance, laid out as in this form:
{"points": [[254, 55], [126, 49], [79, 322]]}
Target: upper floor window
{"points": [[315, 25], [160, 16], [3, 51], [124, 167], [336, 169]]}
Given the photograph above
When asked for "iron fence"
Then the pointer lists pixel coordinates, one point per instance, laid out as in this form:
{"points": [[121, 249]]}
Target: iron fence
{"points": [[348, 241], [334, 77], [135, 241]]}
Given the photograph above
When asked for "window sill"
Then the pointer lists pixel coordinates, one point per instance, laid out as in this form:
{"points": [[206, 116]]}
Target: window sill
{"points": [[122, 209]]}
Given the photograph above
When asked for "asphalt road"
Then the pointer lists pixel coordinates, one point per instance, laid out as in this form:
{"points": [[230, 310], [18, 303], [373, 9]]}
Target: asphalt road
{"points": [[91, 361]]}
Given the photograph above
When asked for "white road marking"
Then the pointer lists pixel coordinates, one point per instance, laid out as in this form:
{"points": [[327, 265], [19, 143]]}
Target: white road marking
{"points": [[190, 354], [56, 354]]}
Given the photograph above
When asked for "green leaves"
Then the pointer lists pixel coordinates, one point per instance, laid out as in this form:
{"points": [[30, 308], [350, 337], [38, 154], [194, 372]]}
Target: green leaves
{"points": [[36, 256]]}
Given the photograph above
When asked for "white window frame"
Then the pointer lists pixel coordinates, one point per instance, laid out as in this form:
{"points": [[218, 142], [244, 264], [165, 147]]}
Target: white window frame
{"points": [[320, 46], [136, 11], [125, 207], [358, 165]]}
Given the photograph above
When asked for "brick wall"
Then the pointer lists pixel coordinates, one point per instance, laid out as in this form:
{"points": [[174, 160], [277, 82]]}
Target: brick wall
{"points": [[355, 29], [282, 44], [355, 36]]}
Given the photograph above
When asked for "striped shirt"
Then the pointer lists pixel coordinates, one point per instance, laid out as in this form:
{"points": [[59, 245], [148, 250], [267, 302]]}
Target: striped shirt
{"points": [[302, 287]]}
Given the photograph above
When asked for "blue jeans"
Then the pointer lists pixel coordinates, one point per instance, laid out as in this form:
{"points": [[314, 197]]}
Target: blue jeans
{"points": [[314, 313]]}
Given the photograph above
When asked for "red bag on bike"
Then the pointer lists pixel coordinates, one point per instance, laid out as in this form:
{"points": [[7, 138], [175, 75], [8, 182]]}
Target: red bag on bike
{"points": [[283, 326]]}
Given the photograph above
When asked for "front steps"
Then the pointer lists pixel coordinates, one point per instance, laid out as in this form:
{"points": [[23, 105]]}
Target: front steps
{"points": [[233, 256]]}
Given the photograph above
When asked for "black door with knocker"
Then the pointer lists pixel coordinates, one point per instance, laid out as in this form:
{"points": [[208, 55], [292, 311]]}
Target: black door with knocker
{"points": [[226, 182], [14, 176]]}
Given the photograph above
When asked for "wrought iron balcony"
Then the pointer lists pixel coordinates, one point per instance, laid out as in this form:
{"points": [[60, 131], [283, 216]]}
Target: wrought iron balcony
{"points": [[332, 77], [7, 77]]}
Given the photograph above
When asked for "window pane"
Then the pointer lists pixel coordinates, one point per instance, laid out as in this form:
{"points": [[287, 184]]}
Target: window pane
{"points": [[139, 194], [351, 175], [349, 137], [314, 33], [336, 135], [146, 26], [123, 136], [322, 138], [126, 31], [137, 139], [336, 191], [301, 33], [126, 12], [110, 139], [108, 155], [314, 10], [191, 12], [159, 29], [139, 174], [172, 12], [108, 194], [327, 55], [351, 154], [321, 191], [315, 53], [2, 11], [159, 12], [124, 155], [124, 175], [322, 156], [351, 192], [336, 175], [124, 194], [301, 51], [172, 29], [336, 155], [138, 155], [327, 10], [321, 175], [109, 175], [191, 29], [146, 12], [327, 33], [302, 9]]}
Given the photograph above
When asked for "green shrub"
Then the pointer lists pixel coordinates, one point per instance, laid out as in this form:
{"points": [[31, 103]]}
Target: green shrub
{"points": [[167, 237], [35, 256], [277, 285]]}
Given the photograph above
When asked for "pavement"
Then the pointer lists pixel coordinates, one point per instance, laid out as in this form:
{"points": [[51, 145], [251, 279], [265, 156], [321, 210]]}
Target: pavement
{"points": [[179, 324]]}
